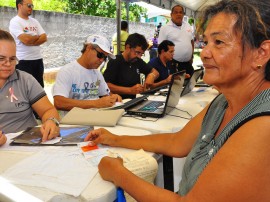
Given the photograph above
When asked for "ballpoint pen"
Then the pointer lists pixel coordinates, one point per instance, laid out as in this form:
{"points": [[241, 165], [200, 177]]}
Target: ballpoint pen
{"points": [[142, 79]]}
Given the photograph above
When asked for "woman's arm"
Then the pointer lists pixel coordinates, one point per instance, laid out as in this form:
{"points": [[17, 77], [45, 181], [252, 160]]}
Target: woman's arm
{"points": [[47, 112]]}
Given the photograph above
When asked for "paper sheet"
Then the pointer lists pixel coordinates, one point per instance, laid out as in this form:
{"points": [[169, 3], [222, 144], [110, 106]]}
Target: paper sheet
{"points": [[60, 170], [141, 164]]}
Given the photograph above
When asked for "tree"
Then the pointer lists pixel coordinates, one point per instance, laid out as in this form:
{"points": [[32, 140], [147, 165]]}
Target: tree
{"points": [[104, 8], [48, 5], [51, 5]]}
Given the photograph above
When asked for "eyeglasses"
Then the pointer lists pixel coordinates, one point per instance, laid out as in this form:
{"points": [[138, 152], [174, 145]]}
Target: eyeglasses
{"points": [[11, 60], [100, 55], [138, 53], [176, 13], [29, 5]]}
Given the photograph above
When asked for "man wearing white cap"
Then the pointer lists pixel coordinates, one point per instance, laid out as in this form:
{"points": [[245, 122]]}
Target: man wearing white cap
{"points": [[80, 84]]}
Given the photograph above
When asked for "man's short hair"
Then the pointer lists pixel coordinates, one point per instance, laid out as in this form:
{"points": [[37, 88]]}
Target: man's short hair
{"points": [[18, 2], [124, 25], [135, 40], [177, 6], [165, 46]]}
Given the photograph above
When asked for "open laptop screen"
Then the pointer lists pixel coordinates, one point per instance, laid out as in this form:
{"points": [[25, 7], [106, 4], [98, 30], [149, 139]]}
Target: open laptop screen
{"points": [[192, 82]]}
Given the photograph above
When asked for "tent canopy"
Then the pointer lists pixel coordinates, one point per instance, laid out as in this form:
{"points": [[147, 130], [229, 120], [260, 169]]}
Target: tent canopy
{"points": [[191, 6]]}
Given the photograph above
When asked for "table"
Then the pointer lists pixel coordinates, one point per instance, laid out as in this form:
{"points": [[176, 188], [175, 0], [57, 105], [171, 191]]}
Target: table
{"points": [[190, 104], [98, 190]]}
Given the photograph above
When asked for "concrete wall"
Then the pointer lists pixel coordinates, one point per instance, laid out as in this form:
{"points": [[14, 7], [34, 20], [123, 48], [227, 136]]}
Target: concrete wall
{"points": [[66, 32]]}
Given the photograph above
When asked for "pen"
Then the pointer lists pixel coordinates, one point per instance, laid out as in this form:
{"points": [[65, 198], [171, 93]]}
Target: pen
{"points": [[142, 78], [120, 195]]}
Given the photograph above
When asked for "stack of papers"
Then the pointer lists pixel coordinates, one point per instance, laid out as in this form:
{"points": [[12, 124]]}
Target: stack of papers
{"points": [[59, 170]]}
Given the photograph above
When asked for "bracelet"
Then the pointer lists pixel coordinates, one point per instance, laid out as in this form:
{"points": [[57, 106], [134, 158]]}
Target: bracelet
{"points": [[54, 120]]}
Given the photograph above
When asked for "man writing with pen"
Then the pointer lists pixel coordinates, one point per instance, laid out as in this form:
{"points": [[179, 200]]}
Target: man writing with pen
{"points": [[80, 84], [123, 75]]}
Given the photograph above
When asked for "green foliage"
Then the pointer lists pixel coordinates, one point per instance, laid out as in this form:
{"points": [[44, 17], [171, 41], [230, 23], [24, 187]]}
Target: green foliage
{"points": [[10, 3], [191, 21], [102, 8], [135, 12], [48, 5], [51, 5]]}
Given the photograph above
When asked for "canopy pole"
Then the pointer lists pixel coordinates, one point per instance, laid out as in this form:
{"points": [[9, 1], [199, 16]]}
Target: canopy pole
{"points": [[118, 19], [127, 10]]}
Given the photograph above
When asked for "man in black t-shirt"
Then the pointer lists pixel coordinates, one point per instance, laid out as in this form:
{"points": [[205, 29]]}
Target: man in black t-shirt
{"points": [[124, 75]]}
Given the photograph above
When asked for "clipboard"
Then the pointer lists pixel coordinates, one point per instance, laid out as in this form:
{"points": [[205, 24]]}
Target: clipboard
{"points": [[70, 136]]}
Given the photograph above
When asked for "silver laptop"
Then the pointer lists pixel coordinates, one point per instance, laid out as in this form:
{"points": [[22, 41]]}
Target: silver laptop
{"points": [[192, 82], [157, 109]]}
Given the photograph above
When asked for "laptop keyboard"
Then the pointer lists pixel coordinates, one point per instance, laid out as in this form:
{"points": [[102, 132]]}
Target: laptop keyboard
{"points": [[130, 103], [152, 106]]}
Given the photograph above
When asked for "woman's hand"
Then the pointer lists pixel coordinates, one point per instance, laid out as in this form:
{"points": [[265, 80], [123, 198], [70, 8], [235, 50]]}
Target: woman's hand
{"points": [[109, 167], [49, 130], [101, 136], [3, 138]]}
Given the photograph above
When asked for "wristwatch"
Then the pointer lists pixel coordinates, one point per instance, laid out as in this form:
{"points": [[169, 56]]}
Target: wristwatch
{"points": [[54, 120]]}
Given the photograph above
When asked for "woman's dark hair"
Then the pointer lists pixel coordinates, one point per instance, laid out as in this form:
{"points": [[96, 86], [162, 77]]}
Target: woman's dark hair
{"points": [[164, 46], [253, 21], [4, 35], [135, 40]]}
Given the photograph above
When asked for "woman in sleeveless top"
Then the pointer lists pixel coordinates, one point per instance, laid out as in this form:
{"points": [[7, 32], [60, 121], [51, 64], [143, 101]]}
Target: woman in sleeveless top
{"points": [[227, 144]]}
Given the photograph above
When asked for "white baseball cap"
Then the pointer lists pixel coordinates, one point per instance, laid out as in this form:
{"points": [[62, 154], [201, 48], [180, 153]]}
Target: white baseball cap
{"points": [[102, 43]]}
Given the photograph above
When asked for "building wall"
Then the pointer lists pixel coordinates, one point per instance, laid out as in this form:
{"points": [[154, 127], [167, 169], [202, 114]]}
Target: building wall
{"points": [[67, 32]]}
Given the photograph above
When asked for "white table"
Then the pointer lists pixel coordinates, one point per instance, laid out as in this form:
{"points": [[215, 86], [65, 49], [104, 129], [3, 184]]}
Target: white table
{"points": [[193, 103], [98, 190]]}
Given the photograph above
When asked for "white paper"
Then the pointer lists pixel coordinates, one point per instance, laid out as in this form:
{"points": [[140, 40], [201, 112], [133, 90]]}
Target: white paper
{"points": [[93, 157], [62, 170], [141, 164]]}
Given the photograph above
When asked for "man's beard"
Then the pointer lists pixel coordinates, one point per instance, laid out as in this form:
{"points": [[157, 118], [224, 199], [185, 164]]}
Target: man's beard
{"points": [[133, 60]]}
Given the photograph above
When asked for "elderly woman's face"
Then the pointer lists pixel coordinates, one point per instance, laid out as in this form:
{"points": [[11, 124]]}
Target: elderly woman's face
{"points": [[7, 59], [223, 55]]}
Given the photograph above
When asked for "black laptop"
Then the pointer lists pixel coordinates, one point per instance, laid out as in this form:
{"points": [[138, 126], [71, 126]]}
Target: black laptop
{"points": [[155, 90], [192, 82], [157, 109]]}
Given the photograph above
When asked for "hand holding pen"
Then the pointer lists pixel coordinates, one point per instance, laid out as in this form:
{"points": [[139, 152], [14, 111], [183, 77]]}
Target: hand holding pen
{"points": [[136, 89]]}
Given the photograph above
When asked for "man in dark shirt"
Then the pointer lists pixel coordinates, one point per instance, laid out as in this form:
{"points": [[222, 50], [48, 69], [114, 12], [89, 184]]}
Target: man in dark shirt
{"points": [[125, 75], [161, 63]]}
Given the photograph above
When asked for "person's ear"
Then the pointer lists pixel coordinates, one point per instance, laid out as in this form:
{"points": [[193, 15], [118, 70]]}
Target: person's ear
{"points": [[127, 46], [263, 53], [20, 5]]}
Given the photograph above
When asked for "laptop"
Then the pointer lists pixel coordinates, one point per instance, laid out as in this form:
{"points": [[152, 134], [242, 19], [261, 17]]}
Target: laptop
{"points": [[157, 109], [192, 82], [154, 90], [129, 103]]}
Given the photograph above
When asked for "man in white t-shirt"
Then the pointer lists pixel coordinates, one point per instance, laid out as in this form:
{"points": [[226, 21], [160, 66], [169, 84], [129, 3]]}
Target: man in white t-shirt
{"points": [[180, 33], [28, 35], [80, 83]]}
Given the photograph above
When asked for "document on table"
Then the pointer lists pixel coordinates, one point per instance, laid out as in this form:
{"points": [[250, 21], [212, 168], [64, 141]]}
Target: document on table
{"points": [[141, 164], [57, 169]]}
